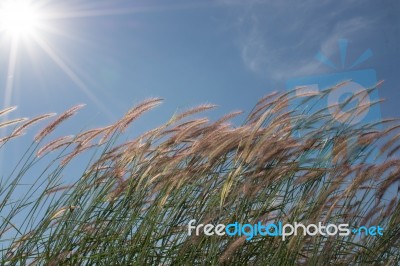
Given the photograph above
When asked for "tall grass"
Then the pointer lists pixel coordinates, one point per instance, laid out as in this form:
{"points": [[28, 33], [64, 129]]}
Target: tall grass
{"points": [[132, 204]]}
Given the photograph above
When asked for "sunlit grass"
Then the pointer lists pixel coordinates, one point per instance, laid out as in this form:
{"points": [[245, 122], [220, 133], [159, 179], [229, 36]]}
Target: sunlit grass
{"points": [[133, 202]]}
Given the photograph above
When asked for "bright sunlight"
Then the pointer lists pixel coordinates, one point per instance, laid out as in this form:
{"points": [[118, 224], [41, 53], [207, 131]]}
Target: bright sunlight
{"points": [[18, 18], [30, 23]]}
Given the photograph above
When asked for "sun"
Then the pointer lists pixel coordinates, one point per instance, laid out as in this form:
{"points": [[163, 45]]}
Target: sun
{"points": [[33, 25], [18, 18]]}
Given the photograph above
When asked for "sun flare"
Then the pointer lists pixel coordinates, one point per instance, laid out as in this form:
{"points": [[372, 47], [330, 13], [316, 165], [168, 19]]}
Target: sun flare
{"points": [[32, 26], [18, 18]]}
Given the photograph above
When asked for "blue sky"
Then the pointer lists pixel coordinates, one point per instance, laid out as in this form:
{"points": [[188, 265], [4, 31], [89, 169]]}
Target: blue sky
{"points": [[113, 54]]}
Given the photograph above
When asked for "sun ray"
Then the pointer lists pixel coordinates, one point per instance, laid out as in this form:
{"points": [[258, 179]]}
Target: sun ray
{"points": [[101, 12], [48, 29], [69, 72], [11, 71], [26, 21], [12, 62]]}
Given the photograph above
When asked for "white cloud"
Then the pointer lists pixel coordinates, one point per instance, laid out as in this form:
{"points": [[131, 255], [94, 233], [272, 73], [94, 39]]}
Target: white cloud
{"points": [[280, 40]]}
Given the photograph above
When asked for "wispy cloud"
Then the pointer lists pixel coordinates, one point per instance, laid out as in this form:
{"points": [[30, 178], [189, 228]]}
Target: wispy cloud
{"points": [[280, 40]]}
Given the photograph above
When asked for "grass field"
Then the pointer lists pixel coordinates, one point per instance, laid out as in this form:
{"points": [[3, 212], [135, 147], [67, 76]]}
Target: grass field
{"points": [[133, 202]]}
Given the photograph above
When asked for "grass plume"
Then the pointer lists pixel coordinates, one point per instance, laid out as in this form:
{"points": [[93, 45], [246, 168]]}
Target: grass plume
{"points": [[132, 203]]}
